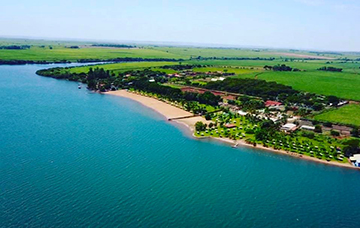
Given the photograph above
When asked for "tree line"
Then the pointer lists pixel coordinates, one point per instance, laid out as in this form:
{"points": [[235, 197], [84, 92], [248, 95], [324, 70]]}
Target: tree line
{"points": [[332, 69], [281, 67], [15, 47], [114, 45]]}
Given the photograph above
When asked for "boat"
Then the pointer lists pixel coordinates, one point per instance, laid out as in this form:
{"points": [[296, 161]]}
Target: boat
{"points": [[79, 86]]}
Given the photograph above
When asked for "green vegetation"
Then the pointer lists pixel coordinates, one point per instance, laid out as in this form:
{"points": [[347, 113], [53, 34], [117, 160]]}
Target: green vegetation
{"points": [[259, 132], [121, 67], [349, 114], [343, 85], [70, 54]]}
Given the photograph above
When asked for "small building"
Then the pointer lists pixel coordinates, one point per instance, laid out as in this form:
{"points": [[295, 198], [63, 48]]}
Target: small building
{"points": [[355, 159], [272, 104], [229, 97], [289, 127], [307, 127]]}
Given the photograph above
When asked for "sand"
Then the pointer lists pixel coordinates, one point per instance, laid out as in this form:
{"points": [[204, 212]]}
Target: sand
{"points": [[169, 111]]}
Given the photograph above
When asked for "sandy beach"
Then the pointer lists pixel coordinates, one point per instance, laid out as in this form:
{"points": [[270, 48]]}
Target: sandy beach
{"points": [[169, 111]]}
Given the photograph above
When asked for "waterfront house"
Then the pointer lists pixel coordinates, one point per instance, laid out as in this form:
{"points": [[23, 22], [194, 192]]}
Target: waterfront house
{"points": [[355, 159]]}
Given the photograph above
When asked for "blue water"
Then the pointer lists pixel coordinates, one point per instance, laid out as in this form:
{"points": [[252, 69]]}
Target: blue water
{"points": [[73, 158]]}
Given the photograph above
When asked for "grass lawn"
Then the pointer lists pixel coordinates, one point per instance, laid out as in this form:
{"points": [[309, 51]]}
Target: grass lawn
{"points": [[349, 114]]}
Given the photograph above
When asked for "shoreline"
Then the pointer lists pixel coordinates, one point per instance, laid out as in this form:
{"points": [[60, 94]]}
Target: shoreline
{"points": [[169, 111]]}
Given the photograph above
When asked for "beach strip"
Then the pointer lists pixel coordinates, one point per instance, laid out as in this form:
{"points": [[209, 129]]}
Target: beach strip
{"points": [[169, 111]]}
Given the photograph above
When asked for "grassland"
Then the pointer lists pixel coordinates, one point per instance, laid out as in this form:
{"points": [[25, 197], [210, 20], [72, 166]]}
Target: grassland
{"points": [[349, 114]]}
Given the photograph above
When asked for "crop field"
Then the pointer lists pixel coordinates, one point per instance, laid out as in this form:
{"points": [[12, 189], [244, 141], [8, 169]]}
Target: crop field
{"points": [[40, 50], [229, 70], [63, 53], [121, 67], [343, 85], [349, 114], [240, 52], [304, 65]]}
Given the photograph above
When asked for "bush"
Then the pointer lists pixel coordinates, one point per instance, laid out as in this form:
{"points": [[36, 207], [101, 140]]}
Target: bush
{"points": [[334, 133]]}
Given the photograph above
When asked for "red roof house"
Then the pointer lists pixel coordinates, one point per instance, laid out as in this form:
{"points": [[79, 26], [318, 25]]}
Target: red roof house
{"points": [[272, 103]]}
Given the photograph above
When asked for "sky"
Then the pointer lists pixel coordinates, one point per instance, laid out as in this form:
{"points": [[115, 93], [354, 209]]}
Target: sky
{"points": [[300, 24]]}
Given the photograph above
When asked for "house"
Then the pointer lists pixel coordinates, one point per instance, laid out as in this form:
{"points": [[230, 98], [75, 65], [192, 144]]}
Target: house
{"points": [[229, 97], [289, 127], [272, 103]]}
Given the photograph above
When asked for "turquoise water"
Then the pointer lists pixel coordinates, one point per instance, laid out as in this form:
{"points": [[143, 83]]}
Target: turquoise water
{"points": [[73, 158]]}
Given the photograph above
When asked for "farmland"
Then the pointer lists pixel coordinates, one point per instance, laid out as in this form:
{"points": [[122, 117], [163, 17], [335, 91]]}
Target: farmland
{"points": [[121, 67], [349, 114], [343, 85], [70, 54]]}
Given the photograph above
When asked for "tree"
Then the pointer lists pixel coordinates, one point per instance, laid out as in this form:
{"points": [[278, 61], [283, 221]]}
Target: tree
{"points": [[208, 116], [318, 129], [351, 147], [333, 100], [200, 126], [355, 132], [318, 106]]}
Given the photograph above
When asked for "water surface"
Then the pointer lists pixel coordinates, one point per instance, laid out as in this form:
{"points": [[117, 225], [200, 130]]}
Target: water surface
{"points": [[73, 158]]}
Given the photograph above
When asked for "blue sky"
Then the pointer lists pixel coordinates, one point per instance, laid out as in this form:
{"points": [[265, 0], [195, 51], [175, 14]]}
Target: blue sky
{"points": [[302, 24]]}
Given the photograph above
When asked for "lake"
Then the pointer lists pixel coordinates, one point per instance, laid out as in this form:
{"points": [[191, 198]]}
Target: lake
{"points": [[73, 158]]}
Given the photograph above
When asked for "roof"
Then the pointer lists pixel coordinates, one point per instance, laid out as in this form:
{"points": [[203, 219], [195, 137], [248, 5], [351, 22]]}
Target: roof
{"points": [[242, 113], [272, 103], [355, 157], [307, 127], [230, 125], [288, 127]]}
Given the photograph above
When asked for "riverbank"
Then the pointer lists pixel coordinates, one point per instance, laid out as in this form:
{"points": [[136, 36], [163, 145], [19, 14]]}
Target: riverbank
{"points": [[169, 112]]}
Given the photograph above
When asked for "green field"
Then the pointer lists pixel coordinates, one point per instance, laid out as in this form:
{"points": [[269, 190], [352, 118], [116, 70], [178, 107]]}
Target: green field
{"points": [[349, 114], [239, 52], [121, 67], [63, 53], [343, 85], [228, 70], [40, 50]]}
